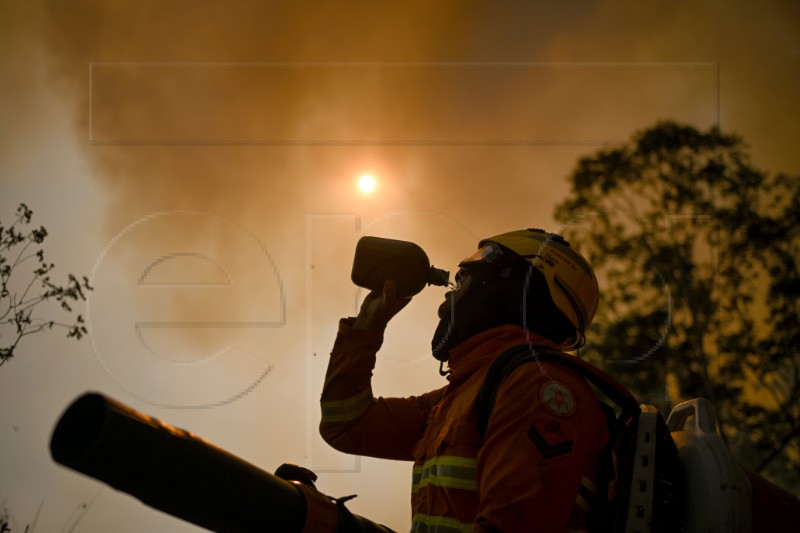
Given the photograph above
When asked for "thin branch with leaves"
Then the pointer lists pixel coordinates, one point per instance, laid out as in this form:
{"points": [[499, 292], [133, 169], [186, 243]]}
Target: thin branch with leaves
{"points": [[20, 246]]}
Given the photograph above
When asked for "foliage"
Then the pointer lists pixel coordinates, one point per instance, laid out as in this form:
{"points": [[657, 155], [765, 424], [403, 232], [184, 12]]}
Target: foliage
{"points": [[697, 255], [20, 246]]}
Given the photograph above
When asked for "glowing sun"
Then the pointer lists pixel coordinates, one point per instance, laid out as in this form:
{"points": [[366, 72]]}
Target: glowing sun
{"points": [[366, 183]]}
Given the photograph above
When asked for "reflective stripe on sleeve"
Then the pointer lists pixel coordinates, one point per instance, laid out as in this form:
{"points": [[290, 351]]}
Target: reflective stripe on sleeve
{"points": [[423, 523], [586, 494], [346, 409], [445, 471]]}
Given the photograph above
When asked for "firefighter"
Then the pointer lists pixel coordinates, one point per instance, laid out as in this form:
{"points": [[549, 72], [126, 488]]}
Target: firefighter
{"points": [[534, 467]]}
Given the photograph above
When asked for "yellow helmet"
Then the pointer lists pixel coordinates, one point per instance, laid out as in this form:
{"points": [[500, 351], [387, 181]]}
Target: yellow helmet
{"points": [[569, 277]]}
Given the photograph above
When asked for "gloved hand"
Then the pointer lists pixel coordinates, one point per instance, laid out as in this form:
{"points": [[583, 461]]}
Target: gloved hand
{"points": [[379, 308]]}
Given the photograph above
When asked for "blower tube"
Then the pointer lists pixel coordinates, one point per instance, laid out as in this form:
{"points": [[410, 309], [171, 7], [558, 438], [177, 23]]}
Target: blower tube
{"points": [[181, 474]]}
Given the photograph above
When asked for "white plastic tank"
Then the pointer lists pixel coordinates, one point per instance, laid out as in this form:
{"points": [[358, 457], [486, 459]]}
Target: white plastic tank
{"points": [[719, 494], [723, 496]]}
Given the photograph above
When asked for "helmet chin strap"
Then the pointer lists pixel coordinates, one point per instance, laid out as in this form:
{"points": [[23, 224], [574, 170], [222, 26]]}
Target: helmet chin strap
{"points": [[442, 371]]}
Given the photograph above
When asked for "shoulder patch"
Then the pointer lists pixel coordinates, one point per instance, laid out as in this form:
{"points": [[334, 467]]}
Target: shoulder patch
{"points": [[558, 398]]}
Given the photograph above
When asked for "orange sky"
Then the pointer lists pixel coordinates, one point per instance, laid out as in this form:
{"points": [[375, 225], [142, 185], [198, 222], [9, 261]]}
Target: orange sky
{"points": [[235, 132]]}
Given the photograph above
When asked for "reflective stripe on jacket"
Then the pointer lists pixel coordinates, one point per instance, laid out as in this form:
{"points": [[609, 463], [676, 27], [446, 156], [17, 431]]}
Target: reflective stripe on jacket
{"points": [[533, 470]]}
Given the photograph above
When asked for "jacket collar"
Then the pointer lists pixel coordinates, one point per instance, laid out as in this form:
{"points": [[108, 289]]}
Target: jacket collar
{"points": [[482, 348]]}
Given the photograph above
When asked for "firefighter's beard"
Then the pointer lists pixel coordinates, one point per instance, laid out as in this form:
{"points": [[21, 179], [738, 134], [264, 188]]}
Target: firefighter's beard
{"points": [[464, 313]]}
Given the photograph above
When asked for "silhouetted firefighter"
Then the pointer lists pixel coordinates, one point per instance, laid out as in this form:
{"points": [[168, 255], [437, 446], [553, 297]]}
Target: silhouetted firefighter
{"points": [[177, 472]]}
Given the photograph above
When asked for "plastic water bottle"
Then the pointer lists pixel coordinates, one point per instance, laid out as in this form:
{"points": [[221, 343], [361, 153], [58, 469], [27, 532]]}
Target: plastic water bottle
{"points": [[378, 259]]}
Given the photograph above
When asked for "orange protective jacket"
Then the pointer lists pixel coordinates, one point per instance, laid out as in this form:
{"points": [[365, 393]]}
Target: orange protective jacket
{"points": [[532, 472]]}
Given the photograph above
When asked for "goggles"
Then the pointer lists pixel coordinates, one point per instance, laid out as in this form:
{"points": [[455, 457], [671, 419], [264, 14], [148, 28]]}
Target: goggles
{"points": [[485, 255], [489, 253]]}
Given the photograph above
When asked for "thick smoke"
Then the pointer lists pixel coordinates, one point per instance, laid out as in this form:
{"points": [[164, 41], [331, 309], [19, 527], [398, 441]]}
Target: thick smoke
{"points": [[222, 140]]}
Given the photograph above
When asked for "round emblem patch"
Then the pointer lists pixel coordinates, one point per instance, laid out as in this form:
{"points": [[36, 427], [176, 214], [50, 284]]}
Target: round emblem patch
{"points": [[558, 398]]}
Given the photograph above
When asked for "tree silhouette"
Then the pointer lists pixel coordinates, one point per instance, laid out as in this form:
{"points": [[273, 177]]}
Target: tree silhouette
{"points": [[20, 246], [697, 256], [5, 525]]}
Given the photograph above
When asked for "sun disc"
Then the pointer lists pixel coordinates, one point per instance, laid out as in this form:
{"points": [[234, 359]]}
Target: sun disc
{"points": [[366, 183]]}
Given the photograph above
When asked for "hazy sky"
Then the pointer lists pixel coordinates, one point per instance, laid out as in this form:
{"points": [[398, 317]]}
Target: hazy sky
{"points": [[199, 160]]}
